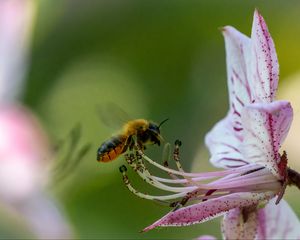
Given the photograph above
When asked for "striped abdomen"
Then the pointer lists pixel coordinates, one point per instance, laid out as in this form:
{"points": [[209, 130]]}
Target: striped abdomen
{"points": [[112, 148]]}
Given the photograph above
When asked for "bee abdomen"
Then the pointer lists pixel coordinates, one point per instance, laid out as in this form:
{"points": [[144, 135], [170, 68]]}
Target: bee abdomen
{"points": [[111, 149]]}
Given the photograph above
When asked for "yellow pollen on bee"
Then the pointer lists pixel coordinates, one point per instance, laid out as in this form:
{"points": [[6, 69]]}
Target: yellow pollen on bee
{"points": [[132, 127]]}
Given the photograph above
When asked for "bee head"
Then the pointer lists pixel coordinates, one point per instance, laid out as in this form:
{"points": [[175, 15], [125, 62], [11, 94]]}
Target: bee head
{"points": [[155, 132], [154, 128]]}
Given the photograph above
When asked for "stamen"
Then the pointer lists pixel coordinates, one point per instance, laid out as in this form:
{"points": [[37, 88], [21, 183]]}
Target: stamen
{"points": [[203, 175], [254, 170], [176, 155], [191, 195], [176, 158], [123, 170], [248, 182], [209, 193], [228, 174], [189, 186], [250, 175], [166, 157], [139, 167], [216, 195]]}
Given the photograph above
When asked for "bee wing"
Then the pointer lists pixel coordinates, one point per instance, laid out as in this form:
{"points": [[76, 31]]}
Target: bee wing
{"points": [[112, 115], [71, 153]]}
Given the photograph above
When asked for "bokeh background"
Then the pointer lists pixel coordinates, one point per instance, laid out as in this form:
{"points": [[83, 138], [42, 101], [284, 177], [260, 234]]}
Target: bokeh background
{"points": [[154, 59]]}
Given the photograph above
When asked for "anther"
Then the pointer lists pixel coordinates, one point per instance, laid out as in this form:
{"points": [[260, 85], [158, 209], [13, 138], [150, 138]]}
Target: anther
{"points": [[178, 143], [138, 155], [176, 154], [123, 169]]}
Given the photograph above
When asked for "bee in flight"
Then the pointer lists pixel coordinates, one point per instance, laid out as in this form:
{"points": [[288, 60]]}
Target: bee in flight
{"points": [[140, 130]]}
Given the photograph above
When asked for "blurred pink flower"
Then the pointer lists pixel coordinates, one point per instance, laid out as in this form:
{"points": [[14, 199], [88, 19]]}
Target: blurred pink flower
{"points": [[206, 237], [246, 142], [16, 22], [24, 147], [24, 161], [23, 152]]}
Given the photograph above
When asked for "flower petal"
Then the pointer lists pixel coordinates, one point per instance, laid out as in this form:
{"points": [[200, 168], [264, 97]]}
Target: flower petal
{"points": [[206, 237], [266, 126], [16, 20], [252, 72], [238, 48], [224, 139], [24, 151], [264, 66], [235, 226], [44, 218], [278, 222], [207, 210], [223, 145]]}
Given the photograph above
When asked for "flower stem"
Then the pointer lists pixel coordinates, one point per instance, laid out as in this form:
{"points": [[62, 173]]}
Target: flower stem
{"points": [[293, 177]]}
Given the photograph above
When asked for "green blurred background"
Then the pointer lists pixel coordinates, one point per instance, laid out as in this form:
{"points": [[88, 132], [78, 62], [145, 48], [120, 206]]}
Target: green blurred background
{"points": [[155, 59]]}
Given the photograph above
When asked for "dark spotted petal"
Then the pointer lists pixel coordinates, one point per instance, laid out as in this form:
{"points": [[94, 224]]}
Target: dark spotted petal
{"points": [[266, 126], [210, 209], [264, 68]]}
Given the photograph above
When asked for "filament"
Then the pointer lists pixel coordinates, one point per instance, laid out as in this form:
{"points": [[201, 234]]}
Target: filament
{"points": [[143, 172], [189, 186], [146, 196]]}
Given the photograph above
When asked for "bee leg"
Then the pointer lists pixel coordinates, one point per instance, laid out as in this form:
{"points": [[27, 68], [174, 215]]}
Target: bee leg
{"points": [[131, 143], [141, 145], [128, 144]]}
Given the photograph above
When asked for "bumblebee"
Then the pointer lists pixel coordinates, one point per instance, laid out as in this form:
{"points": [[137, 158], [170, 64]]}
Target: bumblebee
{"points": [[140, 130]]}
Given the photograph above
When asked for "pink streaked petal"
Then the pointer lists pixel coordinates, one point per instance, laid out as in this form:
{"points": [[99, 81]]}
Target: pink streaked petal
{"points": [[223, 145], [266, 126], [264, 66], [278, 222], [234, 226], [238, 48], [209, 209]]}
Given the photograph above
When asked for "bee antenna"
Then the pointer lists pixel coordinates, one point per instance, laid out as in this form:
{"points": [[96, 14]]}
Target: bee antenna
{"points": [[163, 122]]}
